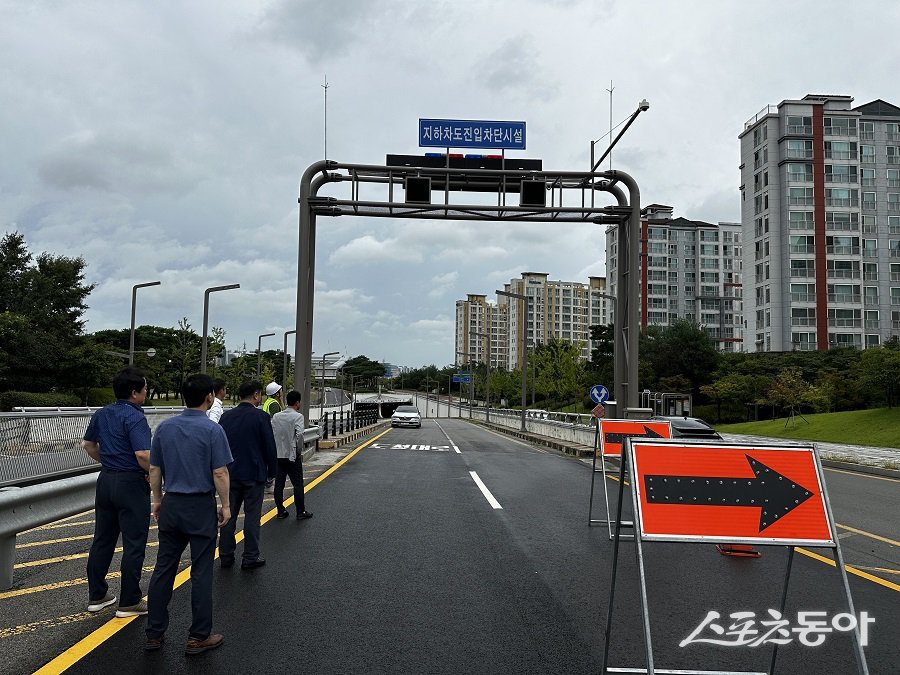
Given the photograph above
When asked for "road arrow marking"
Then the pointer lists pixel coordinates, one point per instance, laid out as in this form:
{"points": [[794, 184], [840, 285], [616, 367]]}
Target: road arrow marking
{"points": [[771, 492]]}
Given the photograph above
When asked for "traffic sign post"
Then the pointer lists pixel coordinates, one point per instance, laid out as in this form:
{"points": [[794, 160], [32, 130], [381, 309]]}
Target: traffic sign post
{"points": [[599, 393], [608, 441], [725, 493]]}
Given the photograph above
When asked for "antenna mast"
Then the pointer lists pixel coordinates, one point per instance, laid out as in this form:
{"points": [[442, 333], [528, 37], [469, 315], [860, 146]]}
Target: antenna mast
{"points": [[610, 90], [325, 126]]}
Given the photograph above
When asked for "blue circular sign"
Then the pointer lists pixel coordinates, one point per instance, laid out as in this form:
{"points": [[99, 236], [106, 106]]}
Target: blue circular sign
{"points": [[599, 393]]}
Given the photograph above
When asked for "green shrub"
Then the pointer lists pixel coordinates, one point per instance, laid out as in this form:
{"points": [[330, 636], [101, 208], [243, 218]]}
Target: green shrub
{"points": [[28, 399], [100, 396]]}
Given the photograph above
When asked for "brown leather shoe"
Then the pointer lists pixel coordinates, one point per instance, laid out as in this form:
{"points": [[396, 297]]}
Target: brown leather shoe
{"points": [[154, 644], [199, 646]]}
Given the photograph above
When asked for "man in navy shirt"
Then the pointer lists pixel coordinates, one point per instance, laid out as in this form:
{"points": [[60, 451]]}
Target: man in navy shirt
{"points": [[118, 437], [190, 452], [249, 432]]}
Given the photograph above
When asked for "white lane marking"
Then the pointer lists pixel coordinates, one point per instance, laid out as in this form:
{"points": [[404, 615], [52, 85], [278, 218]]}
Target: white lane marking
{"points": [[487, 493], [450, 440]]}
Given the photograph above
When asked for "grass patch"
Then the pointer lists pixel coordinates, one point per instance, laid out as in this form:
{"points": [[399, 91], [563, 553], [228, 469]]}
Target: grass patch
{"points": [[876, 427]]}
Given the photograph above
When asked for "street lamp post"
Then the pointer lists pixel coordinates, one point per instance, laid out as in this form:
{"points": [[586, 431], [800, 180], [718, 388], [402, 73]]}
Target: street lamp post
{"points": [[526, 301], [259, 354], [471, 388], [322, 385], [206, 319], [487, 379], [284, 369], [133, 303]]}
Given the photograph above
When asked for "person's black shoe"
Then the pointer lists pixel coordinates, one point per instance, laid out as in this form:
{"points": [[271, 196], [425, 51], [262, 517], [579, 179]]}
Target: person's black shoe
{"points": [[303, 515], [253, 564], [282, 515], [225, 563]]}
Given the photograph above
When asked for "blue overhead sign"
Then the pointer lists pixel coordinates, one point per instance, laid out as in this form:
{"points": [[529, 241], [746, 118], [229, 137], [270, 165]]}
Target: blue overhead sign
{"points": [[471, 134]]}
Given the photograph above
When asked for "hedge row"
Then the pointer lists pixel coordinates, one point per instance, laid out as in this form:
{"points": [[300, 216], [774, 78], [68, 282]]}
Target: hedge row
{"points": [[28, 399]]}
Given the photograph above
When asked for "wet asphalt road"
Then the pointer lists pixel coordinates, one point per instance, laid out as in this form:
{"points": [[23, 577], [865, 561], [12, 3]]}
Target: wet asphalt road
{"points": [[407, 568]]}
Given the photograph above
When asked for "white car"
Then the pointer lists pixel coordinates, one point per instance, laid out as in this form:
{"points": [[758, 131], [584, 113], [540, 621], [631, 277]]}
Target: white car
{"points": [[406, 416]]}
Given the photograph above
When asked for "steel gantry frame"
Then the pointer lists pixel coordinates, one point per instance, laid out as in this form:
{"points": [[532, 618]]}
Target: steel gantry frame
{"points": [[626, 214]]}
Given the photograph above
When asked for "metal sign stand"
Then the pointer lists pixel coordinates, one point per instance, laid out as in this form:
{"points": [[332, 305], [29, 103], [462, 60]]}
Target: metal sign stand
{"points": [[602, 470], [645, 610]]}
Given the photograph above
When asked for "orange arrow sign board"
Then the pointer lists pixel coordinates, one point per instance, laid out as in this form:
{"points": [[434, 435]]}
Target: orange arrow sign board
{"points": [[613, 433], [730, 494]]}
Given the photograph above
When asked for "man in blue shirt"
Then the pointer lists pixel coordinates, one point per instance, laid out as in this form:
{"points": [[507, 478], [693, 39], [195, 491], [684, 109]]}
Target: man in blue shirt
{"points": [[190, 452], [118, 437], [249, 432]]}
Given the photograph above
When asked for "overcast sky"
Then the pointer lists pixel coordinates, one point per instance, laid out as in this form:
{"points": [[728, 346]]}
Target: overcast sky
{"points": [[165, 141]]}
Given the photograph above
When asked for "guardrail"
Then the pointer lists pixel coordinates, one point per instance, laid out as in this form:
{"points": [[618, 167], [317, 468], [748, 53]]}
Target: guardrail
{"points": [[41, 444], [24, 508]]}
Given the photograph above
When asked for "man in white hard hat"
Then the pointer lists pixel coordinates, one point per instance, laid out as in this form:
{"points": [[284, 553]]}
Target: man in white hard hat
{"points": [[273, 403]]}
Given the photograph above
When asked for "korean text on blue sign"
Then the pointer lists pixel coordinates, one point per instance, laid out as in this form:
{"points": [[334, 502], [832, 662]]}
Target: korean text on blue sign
{"points": [[471, 134]]}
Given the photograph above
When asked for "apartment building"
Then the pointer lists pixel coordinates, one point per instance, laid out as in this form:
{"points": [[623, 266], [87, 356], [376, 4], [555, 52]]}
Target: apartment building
{"points": [[476, 319], [820, 210], [555, 309], [690, 269]]}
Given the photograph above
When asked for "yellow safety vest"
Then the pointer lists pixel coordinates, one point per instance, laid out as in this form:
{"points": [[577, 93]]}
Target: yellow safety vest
{"points": [[268, 404]]}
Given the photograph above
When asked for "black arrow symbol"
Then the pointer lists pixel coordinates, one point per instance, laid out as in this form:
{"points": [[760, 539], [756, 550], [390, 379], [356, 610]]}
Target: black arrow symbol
{"points": [[773, 493], [612, 437]]}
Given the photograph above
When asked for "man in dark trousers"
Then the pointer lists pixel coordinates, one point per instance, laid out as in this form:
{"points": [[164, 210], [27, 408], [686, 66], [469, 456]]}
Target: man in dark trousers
{"points": [[249, 432], [190, 452], [118, 437], [288, 426]]}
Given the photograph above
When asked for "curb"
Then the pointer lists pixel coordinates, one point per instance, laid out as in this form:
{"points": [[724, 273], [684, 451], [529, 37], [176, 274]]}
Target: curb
{"points": [[334, 442], [861, 468]]}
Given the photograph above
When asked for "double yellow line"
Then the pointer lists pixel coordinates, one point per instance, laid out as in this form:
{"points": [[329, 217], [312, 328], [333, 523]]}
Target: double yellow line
{"points": [[85, 646]]}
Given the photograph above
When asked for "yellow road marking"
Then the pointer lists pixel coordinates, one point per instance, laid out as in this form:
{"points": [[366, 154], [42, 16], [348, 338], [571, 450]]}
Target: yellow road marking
{"points": [[54, 541], [73, 556], [869, 534], [850, 569], [54, 526], [46, 623], [859, 474], [82, 648], [883, 570], [59, 584]]}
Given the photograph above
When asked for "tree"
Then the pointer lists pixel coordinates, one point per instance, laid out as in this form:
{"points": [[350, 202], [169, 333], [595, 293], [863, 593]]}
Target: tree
{"points": [[880, 372], [790, 390], [681, 348], [559, 369], [42, 302]]}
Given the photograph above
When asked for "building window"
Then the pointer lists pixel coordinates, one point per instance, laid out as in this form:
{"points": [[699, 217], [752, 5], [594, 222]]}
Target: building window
{"points": [[872, 320], [840, 150], [803, 268], [867, 154], [844, 293], [893, 154], [798, 125], [842, 245], [800, 197], [804, 342], [842, 269], [867, 131], [803, 293], [841, 197], [845, 318], [799, 149], [870, 295], [894, 224], [893, 201], [867, 177], [803, 316], [840, 173], [869, 223], [892, 131], [870, 271], [841, 220], [840, 126], [803, 243], [799, 173], [868, 200]]}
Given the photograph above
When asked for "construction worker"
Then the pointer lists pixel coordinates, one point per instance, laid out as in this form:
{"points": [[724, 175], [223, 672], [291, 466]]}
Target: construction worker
{"points": [[273, 403]]}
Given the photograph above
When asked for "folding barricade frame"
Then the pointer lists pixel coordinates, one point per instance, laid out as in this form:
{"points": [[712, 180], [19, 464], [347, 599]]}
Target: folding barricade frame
{"points": [[628, 460]]}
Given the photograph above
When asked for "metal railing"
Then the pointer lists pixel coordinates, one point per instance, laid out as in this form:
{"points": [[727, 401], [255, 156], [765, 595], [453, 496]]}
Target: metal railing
{"points": [[42, 444]]}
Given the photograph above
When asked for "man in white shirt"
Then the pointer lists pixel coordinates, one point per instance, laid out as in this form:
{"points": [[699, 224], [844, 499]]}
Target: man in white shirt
{"points": [[215, 410], [288, 426]]}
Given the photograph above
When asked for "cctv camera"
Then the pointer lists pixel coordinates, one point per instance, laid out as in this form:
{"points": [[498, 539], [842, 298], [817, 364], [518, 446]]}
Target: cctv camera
{"points": [[644, 106]]}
